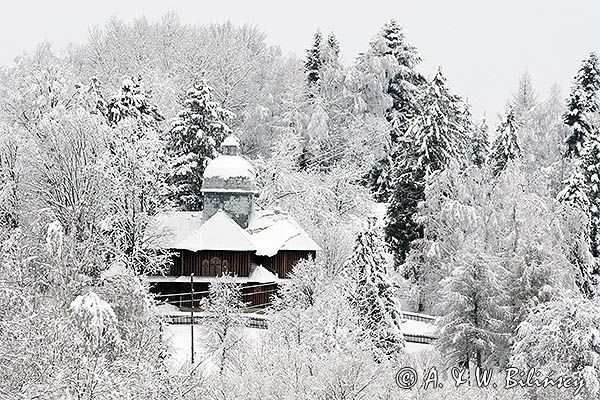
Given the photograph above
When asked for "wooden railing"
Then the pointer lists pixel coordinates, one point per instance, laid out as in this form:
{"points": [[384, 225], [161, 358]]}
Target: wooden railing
{"points": [[260, 322]]}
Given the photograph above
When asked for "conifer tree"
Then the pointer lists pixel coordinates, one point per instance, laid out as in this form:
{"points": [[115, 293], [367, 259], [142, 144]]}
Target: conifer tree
{"points": [[575, 194], [474, 312], [480, 144], [581, 103], [506, 145], [313, 61], [133, 102], [434, 139], [438, 131], [525, 98], [403, 84], [378, 306], [195, 135]]}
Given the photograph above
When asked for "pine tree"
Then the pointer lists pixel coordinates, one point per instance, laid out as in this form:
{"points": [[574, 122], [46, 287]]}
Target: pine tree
{"points": [[313, 61], [133, 102], [582, 102], [193, 140], [480, 144], [378, 306], [506, 145]]}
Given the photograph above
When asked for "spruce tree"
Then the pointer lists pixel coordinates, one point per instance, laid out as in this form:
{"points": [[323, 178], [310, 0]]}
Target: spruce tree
{"points": [[403, 87], [438, 131], [313, 61], [480, 144], [434, 139], [193, 140], [506, 145], [379, 309], [575, 195], [133, 101], [581, 103]]}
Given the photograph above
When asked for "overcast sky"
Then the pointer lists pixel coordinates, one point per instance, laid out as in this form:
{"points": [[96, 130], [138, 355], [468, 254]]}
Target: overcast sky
{"points": [[483, 46]]}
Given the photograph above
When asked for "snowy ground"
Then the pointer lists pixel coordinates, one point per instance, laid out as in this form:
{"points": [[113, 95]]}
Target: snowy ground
{"points": [[180, 342]]}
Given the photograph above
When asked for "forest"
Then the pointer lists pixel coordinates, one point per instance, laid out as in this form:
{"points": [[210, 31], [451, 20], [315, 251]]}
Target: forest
{"points": [[417, 206]]}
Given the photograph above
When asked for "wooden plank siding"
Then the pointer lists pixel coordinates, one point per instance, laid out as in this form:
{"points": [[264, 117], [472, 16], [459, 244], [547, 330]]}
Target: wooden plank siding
{"points": [[202, 263], [283, 262]]}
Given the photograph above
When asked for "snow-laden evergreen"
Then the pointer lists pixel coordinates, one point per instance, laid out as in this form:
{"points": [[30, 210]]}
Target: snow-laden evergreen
{"points": [[402, 83], [582, 103], [133, 101], [193, 140], [375, 297], [480, 144], [436, 138], [505, 147]]}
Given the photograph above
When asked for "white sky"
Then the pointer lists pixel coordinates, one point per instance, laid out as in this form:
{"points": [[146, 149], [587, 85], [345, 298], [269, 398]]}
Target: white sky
{"points": [[483, 46]]}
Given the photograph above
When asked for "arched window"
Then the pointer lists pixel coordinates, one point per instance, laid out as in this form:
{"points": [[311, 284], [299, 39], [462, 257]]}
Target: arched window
{"points": [[215, 266], [205, 268]]}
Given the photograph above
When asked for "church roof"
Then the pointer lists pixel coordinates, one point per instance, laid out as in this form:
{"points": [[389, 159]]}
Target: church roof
{"points": [[269, 232], [220, 232]]}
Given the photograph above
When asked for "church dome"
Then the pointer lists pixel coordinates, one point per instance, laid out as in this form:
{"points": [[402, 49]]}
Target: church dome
{"points": [[229, 172]]}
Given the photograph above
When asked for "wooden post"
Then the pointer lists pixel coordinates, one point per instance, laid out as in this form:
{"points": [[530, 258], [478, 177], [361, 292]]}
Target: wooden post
{"points": [[192, 314]]}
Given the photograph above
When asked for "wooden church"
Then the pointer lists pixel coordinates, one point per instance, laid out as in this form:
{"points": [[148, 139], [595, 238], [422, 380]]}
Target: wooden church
{"points": [[230, 235]]}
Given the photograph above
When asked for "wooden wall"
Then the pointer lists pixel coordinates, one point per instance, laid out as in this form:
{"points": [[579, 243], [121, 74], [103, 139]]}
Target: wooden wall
{"points": [[283, 262], [211, 263], [214, 263]]}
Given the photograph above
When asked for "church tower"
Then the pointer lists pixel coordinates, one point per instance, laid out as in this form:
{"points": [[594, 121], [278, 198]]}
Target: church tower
{"points": [[229, 184]]}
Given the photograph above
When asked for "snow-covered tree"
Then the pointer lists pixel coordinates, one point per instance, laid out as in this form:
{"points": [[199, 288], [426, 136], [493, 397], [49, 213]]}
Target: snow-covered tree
{"points": [[474, 310], [401, 82], [314, 60], [525, 98], [193, 140], [562, 337], [435, 138], [135, 172], [223, 322], [505, 147], [480, 144], [133, 101], [582, 102], [437, 131], [375, 296]]}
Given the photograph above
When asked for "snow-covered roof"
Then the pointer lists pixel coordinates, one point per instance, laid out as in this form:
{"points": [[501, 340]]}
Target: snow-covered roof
{"points": [[269, 231], [262, 275], [273, 231], [231, 140], [220, 232], [227, 167], [168, 229]]}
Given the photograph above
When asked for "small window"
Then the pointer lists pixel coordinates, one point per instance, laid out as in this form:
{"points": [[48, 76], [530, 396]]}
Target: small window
{"points": [[205, 268], [215, 266]]}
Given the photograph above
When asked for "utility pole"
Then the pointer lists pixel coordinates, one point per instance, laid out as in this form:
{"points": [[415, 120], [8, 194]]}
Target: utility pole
{"points": [[192, 314]]}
